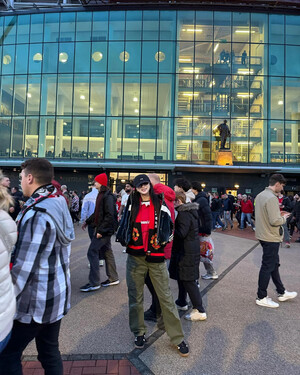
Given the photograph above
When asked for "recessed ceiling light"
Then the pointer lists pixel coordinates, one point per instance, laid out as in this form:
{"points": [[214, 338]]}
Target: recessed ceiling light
{"points": [[82, 97]]}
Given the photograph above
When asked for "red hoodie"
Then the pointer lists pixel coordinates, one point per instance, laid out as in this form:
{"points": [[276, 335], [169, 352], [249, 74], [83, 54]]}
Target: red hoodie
{"points": [[170, 196], [247, 207]]}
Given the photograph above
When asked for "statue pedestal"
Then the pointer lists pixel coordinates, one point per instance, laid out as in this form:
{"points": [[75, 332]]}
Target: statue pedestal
{"points": [[224, 157]]}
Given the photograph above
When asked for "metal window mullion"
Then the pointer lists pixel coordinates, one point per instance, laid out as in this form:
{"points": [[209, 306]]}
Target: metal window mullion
{"points": [[157, 89], [73, 91], [56, 94], [175, 77], [106, 85]]}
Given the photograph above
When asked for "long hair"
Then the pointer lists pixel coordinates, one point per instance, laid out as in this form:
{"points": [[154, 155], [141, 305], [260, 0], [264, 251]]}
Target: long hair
{"points": [[6, 200], [135, 196]]}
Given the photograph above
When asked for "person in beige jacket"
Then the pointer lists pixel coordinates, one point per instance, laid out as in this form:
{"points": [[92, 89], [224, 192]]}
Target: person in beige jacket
{"points": [[269, 232], [8, 237]]}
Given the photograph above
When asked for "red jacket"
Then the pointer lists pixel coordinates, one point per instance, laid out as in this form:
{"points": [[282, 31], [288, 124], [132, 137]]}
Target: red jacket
{"points": [[247, 207], [170, 196]]}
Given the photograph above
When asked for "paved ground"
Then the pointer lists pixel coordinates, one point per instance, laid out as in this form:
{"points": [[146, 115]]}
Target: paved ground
{"points": [[238, 337]]}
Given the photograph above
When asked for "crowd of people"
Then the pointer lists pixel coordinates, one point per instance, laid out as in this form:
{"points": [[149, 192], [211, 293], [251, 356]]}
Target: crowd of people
{"points": [[165, 232]]}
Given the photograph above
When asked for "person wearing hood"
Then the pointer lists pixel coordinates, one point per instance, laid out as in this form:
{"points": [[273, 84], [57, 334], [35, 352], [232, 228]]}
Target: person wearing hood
{"points": [[185, 258], [40, 271], [169, 195]]}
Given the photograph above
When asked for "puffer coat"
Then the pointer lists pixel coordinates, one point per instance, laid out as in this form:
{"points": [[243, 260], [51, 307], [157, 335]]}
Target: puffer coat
{"points": [[8, 237], [185, 258]]}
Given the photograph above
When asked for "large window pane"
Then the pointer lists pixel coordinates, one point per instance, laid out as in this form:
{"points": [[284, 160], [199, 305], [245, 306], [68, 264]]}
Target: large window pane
{"points": [[81, 94], [50, 58], [23, 29], [222, 27], [150, 25], [204, 22], [259, 28], [82, 57], [51, 27], [133, 25], [183, 132], [48, 95], [80, 137], [117, 56], [276, 60], [201, 103], [36, 28], [292, 141], [5, 129], [63, 135], [66, 58], [258, 141], [114, 95], [21, 59], [258, 59], [67, 27], [203, 57], [148, 135], [10, 29], [221, 96], [165, 57], [292, 55], [149, 63], [186, 25], [241, 27], [117, 25], [276, 28], [17, 143], [165, 95], [276, 138], [96, 138], [47, 135], [33, 95], [167, 28], [8, 60], [165, 141], [35, 58], [292, 96], [98, 95], [64, 94], [31, 137], [131, 92], [292, 29], [185, 53], [83, 26], [185, 94], [222, 57], [6, 95], [100, 26], [148, 95], [99, 57], [276, 98], [113, 138], [133, 65], [130, 140], [201, 139], [20, 95]]}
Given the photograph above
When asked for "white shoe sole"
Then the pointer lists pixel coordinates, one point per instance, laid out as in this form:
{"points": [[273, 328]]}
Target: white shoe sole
{"points": [[282, 299], [266, 305], [113, 283], [91, 289], [195, 319]]}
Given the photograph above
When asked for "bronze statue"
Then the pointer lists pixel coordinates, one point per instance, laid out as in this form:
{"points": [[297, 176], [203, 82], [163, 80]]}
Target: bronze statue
{"points": [[224, 133]]}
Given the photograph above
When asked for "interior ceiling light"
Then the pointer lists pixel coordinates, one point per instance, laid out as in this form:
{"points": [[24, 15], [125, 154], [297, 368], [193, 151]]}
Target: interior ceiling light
{"points": [[82, 97], [245, 31], [245, 71], [91, 109], [191, 29], [6, 59], [190, 94], [244, 95], [124, 56], [191, 70], [97, 56], [63, 57], [184, 60], [160, 56], [216, 47], [280, 102], [135, 99], [38, 57], [28, 95], [136, 111]]}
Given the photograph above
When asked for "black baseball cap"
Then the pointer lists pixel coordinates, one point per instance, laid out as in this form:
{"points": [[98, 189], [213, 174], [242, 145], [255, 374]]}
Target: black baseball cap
{"points": [[140, 180]]}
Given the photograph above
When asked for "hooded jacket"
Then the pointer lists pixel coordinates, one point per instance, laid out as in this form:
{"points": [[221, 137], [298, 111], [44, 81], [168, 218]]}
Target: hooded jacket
{"points": [[40, 271], [8, 237], [204, 213], [185, 258]]}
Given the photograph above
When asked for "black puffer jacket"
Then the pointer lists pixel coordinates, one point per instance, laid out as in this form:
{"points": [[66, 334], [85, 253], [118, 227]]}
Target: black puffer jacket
{"points": [[204, 213], [185, 258]]}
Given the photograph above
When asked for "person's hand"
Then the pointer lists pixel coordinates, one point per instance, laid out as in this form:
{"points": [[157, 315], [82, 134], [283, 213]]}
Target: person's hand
{"points": [[99, 235], [11, 210], [84, 225], [286, 215]]}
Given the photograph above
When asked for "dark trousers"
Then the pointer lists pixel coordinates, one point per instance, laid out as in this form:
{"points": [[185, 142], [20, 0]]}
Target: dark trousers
{"points": [[155, 306], [190, 288], [215, 219], [46, 338], [269, 268], [91, 231]]}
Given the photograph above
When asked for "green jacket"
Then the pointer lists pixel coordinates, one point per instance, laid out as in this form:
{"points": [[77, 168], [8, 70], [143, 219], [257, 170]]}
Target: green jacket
{"points": [[268, 220]]}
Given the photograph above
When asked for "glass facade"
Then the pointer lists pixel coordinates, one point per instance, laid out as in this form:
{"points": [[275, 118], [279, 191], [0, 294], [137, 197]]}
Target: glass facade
{"points": [[150, 86]]}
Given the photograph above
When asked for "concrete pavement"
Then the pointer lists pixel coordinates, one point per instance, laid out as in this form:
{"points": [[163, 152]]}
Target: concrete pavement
{"points": [[237, 338]]}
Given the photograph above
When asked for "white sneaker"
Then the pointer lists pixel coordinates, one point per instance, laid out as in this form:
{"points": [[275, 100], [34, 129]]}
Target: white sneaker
{"points": [[286, 295], [101, 262], [210, 277], [266, 302], [195, 315], [182, 308]]}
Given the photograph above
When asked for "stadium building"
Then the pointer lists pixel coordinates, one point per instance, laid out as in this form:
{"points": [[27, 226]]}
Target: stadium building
{"points": [[136, 86]]}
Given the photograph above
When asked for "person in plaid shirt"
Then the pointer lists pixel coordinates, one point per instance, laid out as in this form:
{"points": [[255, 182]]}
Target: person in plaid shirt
{"points": [[40, 270]]}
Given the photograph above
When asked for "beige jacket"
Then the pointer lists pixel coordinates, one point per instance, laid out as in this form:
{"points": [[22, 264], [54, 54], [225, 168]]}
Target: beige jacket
{"points": [[8, 237], [268, 220]]}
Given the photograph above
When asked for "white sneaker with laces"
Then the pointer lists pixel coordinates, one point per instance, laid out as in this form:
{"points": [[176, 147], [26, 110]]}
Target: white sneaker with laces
{"points": [[182, 308], [286, 295], [267, 302], [195, 315]]}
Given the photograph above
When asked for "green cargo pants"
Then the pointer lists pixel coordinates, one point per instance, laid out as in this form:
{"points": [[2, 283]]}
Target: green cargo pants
{"points": [[136, 271]]}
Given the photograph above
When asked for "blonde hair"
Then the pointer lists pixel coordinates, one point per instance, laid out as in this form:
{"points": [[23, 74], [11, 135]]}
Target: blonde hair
{"points": [[6, 199], [181, 197]]}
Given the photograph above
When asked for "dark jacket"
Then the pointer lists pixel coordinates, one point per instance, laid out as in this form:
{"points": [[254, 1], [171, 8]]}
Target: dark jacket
{"points": [[107, 215], [227, 205], [185, 258], [204, 213], [287, 204], [216, 205], [131, 236]]}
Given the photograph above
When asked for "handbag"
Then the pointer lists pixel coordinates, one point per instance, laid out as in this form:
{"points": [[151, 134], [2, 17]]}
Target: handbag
{"points": [[206, 247]]}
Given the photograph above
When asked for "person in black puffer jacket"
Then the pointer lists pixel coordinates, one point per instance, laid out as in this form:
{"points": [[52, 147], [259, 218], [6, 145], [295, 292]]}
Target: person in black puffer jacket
{"points": [[205, 225], [185, 258]]}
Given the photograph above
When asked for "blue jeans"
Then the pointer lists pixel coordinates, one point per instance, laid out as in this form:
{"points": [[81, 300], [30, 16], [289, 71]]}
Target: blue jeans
{"points": [[216, 218], [4, 342], [46, 338], [244, 216]]}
